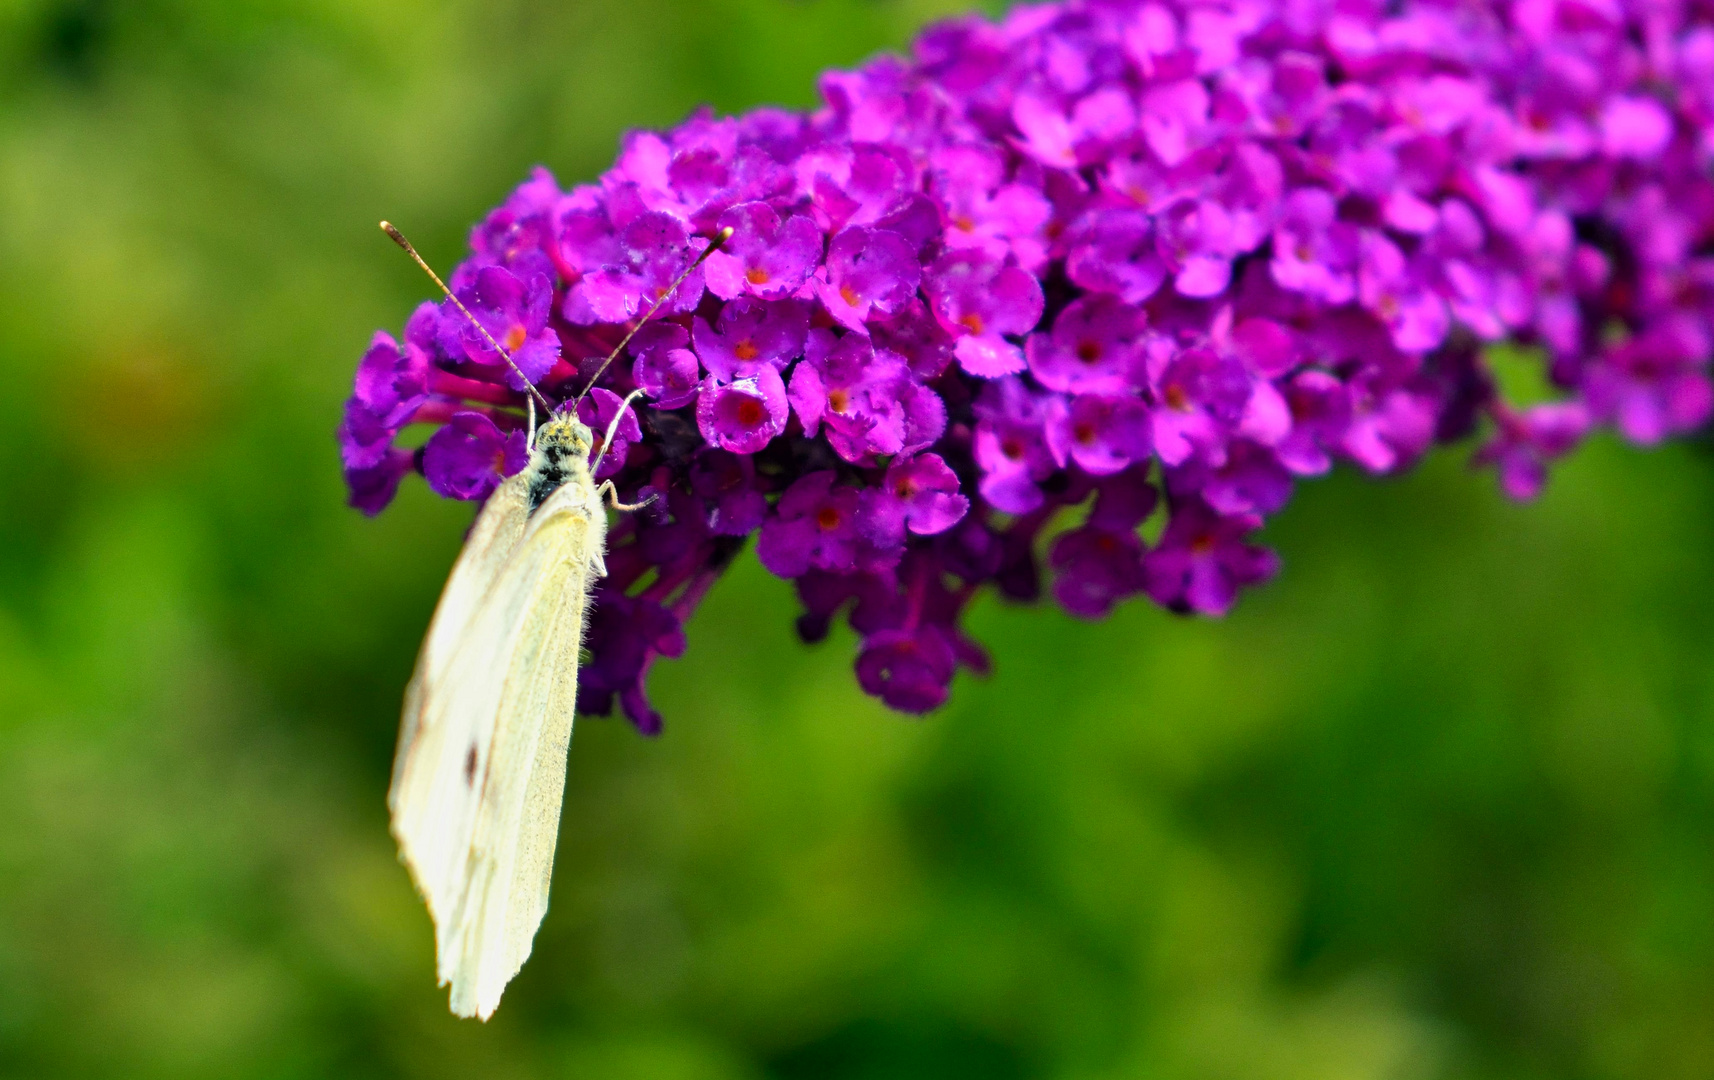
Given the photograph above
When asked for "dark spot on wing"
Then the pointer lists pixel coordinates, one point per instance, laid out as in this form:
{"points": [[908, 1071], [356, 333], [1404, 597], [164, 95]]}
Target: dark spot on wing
{"points": [[470, 767]]}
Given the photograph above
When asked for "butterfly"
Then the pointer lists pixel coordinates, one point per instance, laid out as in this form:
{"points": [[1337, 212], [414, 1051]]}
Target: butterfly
{"points": [[479, 774]]}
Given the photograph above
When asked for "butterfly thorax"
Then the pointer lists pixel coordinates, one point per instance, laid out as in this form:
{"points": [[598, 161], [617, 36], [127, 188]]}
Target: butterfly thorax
{"points": [[561, 455]]}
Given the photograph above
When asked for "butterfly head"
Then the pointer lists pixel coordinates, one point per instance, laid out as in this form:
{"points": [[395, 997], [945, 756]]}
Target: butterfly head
{"points": [[561, 455], [564, 439]]}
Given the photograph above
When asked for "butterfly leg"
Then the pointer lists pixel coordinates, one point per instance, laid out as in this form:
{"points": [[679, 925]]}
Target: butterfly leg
{"points": [[612, 494]]}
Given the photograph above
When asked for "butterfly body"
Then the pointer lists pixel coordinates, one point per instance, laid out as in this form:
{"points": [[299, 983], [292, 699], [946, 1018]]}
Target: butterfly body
{"points": [[480, 770]]}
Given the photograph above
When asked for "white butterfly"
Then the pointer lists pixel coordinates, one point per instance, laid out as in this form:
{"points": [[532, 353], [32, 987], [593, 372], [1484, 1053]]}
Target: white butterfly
{"points": [[480, 769], [482, 750]]}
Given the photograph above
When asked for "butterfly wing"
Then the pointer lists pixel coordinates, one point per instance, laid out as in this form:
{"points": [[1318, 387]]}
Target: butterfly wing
{"points": [[477, 794], [492, 538]]}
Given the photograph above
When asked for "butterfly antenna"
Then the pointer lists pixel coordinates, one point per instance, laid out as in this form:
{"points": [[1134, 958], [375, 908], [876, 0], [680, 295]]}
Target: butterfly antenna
{"points": [[713, 245], [399, 239], [613, 425]]}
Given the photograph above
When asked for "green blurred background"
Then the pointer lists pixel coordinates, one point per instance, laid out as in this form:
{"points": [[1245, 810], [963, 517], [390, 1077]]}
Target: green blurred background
{"points": [[1438, 803]]}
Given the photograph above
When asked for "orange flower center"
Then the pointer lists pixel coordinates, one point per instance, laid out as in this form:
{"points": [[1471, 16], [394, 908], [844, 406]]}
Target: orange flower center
{"points": [[1089, 351], [971, 321], [756, 276], [746, 350], [846, 294], [1083, 432], [839, 400], [1202, 544], [515, 337], [1175, 396], [828, 518], [750, 412]]}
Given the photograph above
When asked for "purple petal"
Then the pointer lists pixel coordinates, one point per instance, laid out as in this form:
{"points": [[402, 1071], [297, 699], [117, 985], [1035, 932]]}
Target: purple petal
{"points": [[469, 457]]}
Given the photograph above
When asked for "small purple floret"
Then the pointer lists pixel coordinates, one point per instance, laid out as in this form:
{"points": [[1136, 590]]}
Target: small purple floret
{"points": [[815, 524], [868, 271], [750, 334], [469, 457], [764, 258], [665, 367], [919, 494], [910, 670], [1203, 559], [514, 312], [982, 301], [743, 415]]}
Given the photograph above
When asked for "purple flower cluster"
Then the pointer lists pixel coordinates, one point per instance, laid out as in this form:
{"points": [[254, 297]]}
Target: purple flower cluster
{"points": [[1094, 285]]}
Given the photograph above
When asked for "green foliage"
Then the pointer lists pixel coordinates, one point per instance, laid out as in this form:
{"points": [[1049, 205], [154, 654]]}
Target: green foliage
{"points": [[1438, 803]]}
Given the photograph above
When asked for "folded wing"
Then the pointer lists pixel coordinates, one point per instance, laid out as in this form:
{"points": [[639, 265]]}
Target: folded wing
{"points": [[492, 538], [481, 771]]}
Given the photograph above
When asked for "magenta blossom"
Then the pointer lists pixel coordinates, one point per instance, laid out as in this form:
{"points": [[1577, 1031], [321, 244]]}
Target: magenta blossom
{"points": [[987, 310], [513, 313], [469, 457], [742, 416], [919, 494], [764, 257], [665, 368], [815, 524], [980, 301], [1203, 559], [868, 271], [750, 334]]}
